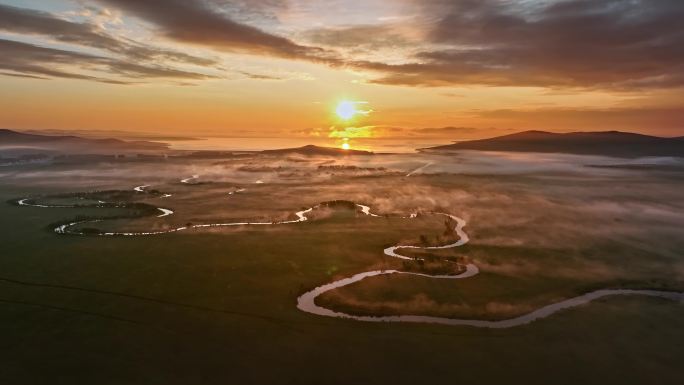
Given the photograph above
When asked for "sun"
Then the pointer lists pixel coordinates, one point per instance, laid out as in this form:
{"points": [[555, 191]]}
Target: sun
{"points": [[346, 146], [346, 110]]}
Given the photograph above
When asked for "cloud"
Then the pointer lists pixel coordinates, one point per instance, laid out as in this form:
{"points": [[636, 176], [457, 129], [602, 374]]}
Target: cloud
{"points": [[189, 22], [357, 37], [449, 132], [254, 76], [574, 44], [32, 60], [457, 132], [33, 22], [26, 76], [661, 120], [392, 132], [352, 132], [253, 11], [197, 22], [616, 44]]}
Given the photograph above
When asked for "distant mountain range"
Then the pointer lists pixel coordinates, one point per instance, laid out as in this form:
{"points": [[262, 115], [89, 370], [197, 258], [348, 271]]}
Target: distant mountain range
{"points": [[316, 150], [608, 143], [22, 142]]}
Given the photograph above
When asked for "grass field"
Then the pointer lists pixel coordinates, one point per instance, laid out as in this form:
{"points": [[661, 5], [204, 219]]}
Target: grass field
{"points": [[218, 306]]}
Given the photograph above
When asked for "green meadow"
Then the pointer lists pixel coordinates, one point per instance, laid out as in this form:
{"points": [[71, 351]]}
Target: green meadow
{"points": [[219, 305]]}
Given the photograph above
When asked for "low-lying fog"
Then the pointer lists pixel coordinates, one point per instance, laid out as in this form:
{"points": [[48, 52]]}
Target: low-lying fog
{"points": [[535, 200], [300, 169]]}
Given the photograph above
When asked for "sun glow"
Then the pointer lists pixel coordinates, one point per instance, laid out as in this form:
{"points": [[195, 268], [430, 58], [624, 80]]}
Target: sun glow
{"points": [[347, 111]]}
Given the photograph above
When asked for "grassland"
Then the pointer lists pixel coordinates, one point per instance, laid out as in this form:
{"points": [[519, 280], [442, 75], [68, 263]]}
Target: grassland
{"points": [[218, 306]]}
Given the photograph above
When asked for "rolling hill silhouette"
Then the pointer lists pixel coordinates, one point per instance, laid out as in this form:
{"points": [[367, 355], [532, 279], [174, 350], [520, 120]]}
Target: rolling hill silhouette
{"points": [[10, 139], [317, 150], [608, 143]]}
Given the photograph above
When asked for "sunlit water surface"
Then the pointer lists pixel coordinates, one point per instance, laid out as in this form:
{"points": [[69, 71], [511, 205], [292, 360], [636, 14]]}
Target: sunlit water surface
{"points": [[402, 145]]}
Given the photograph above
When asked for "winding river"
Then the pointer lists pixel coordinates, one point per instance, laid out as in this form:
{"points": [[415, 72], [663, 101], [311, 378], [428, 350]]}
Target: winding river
{"points": [[307, 301], [190, 179], [420, 169]]}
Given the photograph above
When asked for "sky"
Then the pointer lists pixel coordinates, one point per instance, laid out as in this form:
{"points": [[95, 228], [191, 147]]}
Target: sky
{"points": [[415, 69]]}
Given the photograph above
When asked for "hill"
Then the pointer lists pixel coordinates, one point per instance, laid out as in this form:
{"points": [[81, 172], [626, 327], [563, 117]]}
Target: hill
{"points": [[311, 150], [14, 141], [608, 143]]}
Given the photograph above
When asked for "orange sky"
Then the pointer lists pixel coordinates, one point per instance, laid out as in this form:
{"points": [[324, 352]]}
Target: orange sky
{"points": [[279, 68]]}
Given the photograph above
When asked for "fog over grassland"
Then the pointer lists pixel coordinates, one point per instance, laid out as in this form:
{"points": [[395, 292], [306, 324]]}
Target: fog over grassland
{"points": [[550, 201], [542, 228]]}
